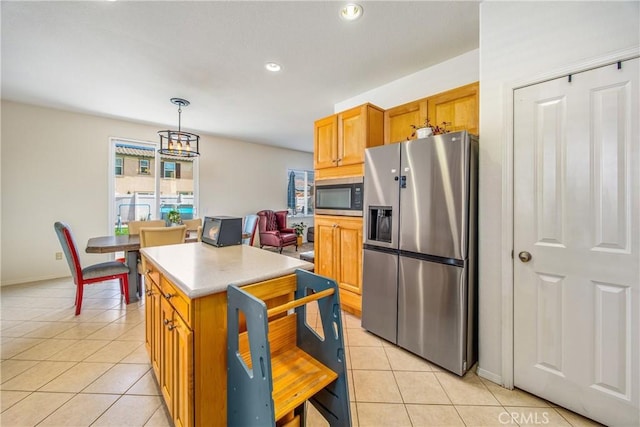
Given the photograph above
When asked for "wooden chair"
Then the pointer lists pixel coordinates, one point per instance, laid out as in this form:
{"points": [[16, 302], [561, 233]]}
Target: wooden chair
{"points": [[135, 226], [93, 273], [249, 228], [160, 236], [193, 225]]}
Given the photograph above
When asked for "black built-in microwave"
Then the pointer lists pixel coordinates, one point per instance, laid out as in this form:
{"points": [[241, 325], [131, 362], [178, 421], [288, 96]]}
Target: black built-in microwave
{"points": [[340, 196]]}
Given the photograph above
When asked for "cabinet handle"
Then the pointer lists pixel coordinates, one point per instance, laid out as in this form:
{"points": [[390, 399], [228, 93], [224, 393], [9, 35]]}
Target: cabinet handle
{"points": [[170, 324], [148, 271], [168, 296]]}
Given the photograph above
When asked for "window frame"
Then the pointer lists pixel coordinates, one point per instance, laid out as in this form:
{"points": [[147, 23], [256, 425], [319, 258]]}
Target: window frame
{"points": [[164, 169], [116, 166], [155, 172], [308, 209], [147, 167]]}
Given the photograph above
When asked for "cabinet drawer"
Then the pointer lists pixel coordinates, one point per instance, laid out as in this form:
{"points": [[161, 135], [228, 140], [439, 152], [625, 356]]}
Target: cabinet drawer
{"points": [[177, 299]]}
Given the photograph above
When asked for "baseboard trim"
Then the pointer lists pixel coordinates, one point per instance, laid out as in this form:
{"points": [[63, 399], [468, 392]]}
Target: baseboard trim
{"points": [[25, 280], [495, 378]]}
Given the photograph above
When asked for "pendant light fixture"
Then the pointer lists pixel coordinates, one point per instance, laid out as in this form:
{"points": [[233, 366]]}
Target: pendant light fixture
{"points": [[179, 143]]}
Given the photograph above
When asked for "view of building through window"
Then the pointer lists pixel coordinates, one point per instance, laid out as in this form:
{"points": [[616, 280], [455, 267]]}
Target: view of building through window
{"points": [[300, 192], [137, 180]]}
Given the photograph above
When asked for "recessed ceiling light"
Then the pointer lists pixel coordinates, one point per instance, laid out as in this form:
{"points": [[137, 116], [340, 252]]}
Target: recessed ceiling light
{"points": [[351, 11], [273, 66]]}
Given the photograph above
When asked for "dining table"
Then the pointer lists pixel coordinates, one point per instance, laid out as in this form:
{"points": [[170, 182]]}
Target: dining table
{"points": [[130, 245]]}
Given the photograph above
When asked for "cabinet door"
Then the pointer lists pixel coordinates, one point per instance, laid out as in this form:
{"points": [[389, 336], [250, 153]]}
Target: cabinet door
{"points": [[349, 254], [153, 326], [167, 346], [325, 140], [457, 106], [398, 120], [325, 256], [352, 136], [183, 369], [149, 326]]}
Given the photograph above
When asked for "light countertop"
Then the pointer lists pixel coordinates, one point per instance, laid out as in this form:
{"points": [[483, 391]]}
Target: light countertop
{"points": [[199, 269]]}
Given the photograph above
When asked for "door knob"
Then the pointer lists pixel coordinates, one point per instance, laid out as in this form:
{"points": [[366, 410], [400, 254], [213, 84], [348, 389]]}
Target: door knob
{"points": [[524, 256]]}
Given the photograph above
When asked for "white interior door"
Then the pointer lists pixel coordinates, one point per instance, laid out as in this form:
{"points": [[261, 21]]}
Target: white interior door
{"points": [[577, 213]]}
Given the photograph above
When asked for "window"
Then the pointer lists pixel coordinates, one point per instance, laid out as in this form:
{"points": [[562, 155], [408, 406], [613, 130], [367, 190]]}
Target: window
{"points": [[300, 192], [119, 166], [169, 170], [143, 166]]}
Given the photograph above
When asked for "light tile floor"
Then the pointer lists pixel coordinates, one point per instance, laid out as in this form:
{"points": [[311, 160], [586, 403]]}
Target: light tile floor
{"points": [[58, 369]]}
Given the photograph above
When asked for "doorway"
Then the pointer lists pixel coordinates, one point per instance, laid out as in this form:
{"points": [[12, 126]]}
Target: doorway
{"points": [[576, 229]]}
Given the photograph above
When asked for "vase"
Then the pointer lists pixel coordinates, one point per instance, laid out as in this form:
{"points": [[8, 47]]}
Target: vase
{"points": [[424, 132]]}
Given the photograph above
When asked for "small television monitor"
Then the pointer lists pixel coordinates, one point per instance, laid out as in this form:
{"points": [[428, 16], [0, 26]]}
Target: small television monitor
{"points": [[222, 231]]}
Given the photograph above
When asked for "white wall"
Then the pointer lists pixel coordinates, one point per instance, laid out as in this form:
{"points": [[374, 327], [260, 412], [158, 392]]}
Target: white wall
{"points": [[458, 71], [520, 42], [55, 167]]}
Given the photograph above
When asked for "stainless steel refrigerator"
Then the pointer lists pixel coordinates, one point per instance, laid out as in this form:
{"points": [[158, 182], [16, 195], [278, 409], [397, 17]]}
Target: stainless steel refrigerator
{"points": [[420, 245]]}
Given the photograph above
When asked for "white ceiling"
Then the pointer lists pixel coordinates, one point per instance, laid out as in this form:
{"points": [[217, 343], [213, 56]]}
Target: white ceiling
{"points": [[126, 59]]}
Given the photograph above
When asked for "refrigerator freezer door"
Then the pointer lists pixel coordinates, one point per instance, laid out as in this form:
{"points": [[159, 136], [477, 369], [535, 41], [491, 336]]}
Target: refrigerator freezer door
{"points": [[380, 294], [381, 190], [434, 206], [432, 312]]}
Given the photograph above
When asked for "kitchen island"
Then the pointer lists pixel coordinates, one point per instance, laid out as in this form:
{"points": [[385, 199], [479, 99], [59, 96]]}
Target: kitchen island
{"points": [[186, 319]]}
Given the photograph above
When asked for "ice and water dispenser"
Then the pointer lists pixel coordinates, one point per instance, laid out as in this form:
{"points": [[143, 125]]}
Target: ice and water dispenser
{"points": [[380, 223]]}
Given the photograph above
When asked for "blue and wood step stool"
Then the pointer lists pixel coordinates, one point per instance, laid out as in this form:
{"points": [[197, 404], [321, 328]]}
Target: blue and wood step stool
{"points": [[276, 361]]}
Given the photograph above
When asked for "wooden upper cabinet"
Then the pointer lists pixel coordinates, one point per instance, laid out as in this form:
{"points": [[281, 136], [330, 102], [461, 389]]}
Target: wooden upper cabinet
{"points": [[325, 142], [398, 120], [352, 134], [340, 140], [358, 128], [459, 106]]}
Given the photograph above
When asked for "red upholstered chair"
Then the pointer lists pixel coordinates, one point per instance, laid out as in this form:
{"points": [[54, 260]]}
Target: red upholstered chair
{"points": [[274, 231], [93, 273]]}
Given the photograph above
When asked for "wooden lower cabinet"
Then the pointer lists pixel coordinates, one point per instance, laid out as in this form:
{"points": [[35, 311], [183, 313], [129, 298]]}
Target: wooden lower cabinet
{"points": [[152, 325], [182, 344], [187, 344], [338, 255], [170, 345], [167, 350]]}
